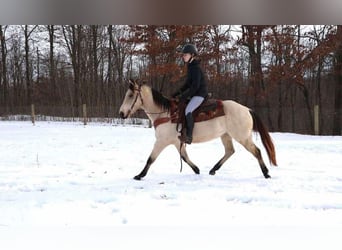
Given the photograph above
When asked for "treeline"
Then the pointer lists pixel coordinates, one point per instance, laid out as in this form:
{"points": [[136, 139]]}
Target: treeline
{"points": [[281, 71]]}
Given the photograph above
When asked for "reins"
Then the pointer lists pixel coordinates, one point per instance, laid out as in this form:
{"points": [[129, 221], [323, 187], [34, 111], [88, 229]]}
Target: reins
{"points": [[180, 155], [155, 113]]}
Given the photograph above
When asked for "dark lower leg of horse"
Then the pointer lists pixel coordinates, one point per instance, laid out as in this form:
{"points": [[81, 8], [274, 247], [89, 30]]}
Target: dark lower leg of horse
{"points": [[261, 163], [145, 169], [254, 150], [217, 166], [264, 170], [229, 150], [185, 157], [193, 166]]}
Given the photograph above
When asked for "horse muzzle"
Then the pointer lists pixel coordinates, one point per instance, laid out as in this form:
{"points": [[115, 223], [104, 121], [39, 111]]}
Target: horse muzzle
{"points": [[123, 115]]}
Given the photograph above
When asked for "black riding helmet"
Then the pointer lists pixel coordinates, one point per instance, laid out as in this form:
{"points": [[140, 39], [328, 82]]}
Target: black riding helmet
{"points": [[189, 48]]}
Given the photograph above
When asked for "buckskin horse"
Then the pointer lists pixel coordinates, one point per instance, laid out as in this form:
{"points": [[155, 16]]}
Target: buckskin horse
{"points": [[236, 122]]}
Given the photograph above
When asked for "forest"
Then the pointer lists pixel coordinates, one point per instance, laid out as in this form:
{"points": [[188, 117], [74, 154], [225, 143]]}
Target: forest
{"points": [[291, 75]]}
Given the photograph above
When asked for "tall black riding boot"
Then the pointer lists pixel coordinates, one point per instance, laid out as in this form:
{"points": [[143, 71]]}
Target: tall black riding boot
{"points": [[189, 128]]}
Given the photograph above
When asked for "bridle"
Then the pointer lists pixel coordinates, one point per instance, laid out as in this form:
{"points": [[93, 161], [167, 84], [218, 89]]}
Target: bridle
{"points": [[136, 97], [138, 89]]}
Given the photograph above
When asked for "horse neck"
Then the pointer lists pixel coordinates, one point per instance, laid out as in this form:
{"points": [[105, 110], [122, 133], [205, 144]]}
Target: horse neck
{"points": [[152, 110]]}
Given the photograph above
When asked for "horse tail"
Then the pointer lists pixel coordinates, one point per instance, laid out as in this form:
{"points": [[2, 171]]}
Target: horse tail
{"points": [[266, 139]]}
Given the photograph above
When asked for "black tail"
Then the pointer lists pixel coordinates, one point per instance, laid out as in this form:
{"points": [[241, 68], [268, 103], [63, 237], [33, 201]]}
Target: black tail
{"points": [[266, 139]]}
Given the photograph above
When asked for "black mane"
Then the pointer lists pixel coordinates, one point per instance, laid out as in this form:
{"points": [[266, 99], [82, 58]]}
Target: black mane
{"points": [[162, 101]]}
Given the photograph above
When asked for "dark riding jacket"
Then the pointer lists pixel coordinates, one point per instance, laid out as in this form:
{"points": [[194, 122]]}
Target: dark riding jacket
{"points": [[195, 84]]}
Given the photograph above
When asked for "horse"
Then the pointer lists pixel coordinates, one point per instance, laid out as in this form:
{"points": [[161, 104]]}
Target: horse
{"points": [[238, 123]]}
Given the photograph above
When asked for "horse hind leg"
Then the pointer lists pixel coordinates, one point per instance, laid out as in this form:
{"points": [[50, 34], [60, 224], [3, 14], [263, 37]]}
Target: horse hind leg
{"points": [[229, 150], [252, 148]]}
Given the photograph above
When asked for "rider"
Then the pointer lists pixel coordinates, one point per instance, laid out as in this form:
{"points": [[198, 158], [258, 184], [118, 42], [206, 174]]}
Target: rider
{"points": [[194, 88]]}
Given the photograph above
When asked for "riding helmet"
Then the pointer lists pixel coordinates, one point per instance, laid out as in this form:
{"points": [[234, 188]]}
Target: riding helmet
{"points": [[189, 48]]}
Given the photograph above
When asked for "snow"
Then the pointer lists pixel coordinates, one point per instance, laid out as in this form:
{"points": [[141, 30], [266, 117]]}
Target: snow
{"points": [[70, 186]]}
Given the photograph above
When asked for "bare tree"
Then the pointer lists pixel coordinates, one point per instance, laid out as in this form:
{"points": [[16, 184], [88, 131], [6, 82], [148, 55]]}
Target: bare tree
{"points": [[252, 38], [337, 130], [52, 67], [28, 66], [73, 36], [4, 88], [281, 70]]}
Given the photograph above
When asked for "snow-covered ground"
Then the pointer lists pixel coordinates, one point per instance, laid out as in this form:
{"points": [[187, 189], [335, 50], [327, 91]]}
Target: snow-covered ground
{"points": [[69, 186]]}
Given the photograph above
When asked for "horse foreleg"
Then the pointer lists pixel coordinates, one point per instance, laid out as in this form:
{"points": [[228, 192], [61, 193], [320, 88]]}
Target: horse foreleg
{"points": [[158, 147], [229, 150], [185, 157]]}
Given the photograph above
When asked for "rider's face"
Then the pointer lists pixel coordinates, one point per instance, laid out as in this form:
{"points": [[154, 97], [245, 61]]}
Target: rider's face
{"points": [[186, 57]]}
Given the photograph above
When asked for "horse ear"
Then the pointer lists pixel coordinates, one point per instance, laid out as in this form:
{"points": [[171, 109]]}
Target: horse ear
{"points": [[131, 84], [140, 83]]}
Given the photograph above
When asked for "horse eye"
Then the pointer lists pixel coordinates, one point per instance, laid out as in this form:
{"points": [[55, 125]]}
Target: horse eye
{"points": [[130, 95]]}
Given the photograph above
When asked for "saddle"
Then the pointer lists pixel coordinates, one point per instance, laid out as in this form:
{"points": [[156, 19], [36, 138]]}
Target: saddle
{"points": [[209, 109]]}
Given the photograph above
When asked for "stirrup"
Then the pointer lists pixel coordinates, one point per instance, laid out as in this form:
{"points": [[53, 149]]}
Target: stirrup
{"points": [[188, 140], [185, 139]]}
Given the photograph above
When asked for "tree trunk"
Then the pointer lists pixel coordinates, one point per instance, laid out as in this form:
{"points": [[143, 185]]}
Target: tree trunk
{"points": [[253, 42], [3, 79], [29, 87], [73, 38], [52, 71], [337, 130]]}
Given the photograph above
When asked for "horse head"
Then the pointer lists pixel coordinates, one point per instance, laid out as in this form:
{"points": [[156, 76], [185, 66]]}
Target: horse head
{"points": [[132, 101]]}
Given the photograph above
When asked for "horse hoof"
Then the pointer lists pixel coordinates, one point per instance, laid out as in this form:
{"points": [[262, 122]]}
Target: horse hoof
{"points": [[267, 176], [137, 178], [212, 172], [195, 169]]}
